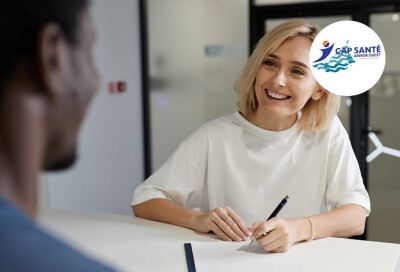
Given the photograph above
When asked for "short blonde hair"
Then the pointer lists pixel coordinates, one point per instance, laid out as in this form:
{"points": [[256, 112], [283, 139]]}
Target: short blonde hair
{"points": [[315, 115]]}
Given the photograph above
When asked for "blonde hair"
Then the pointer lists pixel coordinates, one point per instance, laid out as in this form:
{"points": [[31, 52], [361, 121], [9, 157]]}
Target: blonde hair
{"points": [[315, 115]]}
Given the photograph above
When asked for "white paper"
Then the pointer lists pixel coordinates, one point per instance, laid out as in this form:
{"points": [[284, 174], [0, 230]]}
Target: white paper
{"points": [[329, 254]]}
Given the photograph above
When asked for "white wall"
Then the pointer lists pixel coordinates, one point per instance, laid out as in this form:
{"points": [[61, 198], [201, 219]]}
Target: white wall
{"points": [[110, 165]]}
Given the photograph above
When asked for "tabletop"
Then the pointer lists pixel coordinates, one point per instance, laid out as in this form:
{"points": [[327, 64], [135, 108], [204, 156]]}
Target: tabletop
{"points": [[129, 243]]}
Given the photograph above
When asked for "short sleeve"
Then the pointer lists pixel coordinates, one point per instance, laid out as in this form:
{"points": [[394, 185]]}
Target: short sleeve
{"points": [[345, 184], [180, 178]]}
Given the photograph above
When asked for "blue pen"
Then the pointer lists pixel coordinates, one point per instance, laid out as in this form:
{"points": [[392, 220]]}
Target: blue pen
{"points": [[276, 211]]}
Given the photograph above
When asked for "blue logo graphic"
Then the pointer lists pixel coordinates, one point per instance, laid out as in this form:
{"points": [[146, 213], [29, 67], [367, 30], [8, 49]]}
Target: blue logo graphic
{"points": [[341, 61], [325, 51]]}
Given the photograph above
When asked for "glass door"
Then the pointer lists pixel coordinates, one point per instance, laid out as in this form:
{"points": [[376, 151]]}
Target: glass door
{"points": [[384, 140], [196, 50]]}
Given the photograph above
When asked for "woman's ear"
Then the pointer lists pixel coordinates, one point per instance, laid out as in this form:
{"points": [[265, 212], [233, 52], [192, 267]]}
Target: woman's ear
{"points": [[318, 93]]}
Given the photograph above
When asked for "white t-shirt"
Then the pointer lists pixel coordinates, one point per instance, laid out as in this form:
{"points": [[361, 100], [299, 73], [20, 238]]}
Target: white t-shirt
{"points": [[231, 162]]}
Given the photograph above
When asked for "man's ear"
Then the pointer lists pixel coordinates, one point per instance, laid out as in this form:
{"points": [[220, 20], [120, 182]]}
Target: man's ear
{"points": [[52, 56]]}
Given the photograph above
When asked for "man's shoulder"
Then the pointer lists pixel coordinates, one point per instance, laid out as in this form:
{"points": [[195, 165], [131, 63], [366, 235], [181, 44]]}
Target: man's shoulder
{"points": [[25, 247]]}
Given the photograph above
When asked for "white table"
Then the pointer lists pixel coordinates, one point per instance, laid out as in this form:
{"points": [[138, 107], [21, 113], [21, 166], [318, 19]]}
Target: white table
{"points": [[134, 244]]}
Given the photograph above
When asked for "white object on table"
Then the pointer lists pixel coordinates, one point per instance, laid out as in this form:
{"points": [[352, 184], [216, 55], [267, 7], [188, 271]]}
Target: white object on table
{"points": [[329, 254]]}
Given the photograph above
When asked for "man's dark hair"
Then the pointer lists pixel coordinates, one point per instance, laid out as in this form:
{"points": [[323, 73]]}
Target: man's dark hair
{"points": [[21, 22]]}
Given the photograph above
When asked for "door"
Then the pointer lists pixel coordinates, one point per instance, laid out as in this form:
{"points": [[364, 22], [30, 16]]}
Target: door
{"points": [[384, 141]]}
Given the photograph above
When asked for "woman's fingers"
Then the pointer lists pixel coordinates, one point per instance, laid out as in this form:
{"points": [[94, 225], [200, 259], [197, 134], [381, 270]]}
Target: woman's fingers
{"points": [[274, 235], [214, 227], [272, 244], [275, 241], [217, 219], [262, 228], [238, 225], [255, 226], [235, 223], [269, 238], [234, 227], [225, 223]]}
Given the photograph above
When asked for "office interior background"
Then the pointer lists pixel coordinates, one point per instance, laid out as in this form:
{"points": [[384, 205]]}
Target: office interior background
{"points": [[168, 66]]}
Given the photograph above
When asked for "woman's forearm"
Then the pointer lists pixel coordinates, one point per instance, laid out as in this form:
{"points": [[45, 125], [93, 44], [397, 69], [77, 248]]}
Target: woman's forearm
{"points": [[345, 221], [223, 221], [164, 210]]}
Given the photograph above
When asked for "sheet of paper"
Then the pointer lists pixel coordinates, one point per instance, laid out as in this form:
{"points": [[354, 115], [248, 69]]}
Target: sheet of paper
{"points": [[330, 254]]}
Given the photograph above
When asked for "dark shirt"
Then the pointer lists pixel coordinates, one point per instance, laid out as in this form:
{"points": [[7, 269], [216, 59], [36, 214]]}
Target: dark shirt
{"points": [[25, 247]]}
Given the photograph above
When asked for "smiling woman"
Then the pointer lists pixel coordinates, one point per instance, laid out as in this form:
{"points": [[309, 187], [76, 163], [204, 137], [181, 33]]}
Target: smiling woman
{"points": [[284, 84], [294, 39], [285, 139]]}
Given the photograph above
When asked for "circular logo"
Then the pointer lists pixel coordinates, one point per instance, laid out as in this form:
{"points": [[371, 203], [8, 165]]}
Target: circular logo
{"points": [[347, 58]]}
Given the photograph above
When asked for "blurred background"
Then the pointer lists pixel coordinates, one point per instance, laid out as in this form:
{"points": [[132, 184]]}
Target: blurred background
{"points": [[168, 66]]}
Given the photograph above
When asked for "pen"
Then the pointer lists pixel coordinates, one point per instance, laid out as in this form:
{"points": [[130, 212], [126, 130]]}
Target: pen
{"points": [[276, 211]]}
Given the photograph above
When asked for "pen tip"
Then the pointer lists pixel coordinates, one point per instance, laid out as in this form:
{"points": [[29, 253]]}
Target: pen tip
{"points": [[287, 197]]}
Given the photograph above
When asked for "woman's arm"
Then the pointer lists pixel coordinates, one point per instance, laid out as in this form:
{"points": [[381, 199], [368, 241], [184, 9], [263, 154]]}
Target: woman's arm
{"points": [[224, 222], [345, 221], [163, 210]]}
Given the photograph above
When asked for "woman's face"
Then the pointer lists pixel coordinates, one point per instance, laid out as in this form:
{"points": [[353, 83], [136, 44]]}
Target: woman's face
{"points": [[284, 82]]}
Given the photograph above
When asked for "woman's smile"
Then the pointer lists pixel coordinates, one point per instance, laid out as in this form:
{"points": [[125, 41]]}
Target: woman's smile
{"points": [[275, 96]]}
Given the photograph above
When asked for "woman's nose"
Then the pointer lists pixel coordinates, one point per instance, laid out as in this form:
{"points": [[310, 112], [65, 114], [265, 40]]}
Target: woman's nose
{"points": [[279, 79]]}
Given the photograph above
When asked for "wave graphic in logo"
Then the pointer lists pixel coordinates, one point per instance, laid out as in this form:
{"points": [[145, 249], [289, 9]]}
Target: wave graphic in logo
{"points": [[337, 62], [325, 51]]}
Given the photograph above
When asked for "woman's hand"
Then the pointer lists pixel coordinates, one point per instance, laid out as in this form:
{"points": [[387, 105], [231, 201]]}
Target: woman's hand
{"points": [[275, 235], [224, 222]]}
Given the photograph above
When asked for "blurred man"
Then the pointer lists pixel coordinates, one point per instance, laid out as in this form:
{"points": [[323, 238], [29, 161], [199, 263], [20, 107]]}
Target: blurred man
{"points": [[47, 80]]}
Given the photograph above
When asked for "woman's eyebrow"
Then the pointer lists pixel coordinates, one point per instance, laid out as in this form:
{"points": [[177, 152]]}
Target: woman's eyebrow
{"points": [[273, 56], [299, 63]]}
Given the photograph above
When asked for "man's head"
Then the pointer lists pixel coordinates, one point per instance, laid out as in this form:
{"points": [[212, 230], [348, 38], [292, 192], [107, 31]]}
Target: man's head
{"points": [[46, 51]]}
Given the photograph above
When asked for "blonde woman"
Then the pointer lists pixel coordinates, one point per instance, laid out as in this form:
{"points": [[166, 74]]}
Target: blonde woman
{"points": [[285, 139]]}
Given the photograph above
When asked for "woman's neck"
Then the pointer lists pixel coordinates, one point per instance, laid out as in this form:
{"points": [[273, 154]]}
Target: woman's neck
{"points": [[271, 122]]}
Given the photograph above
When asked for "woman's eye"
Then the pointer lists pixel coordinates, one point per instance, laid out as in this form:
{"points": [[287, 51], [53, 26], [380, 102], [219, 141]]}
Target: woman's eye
{"points": [[270, 63], [298, 72]]}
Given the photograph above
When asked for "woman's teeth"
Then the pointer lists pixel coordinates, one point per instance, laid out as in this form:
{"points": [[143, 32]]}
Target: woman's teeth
{"points": [[277, 96]]}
